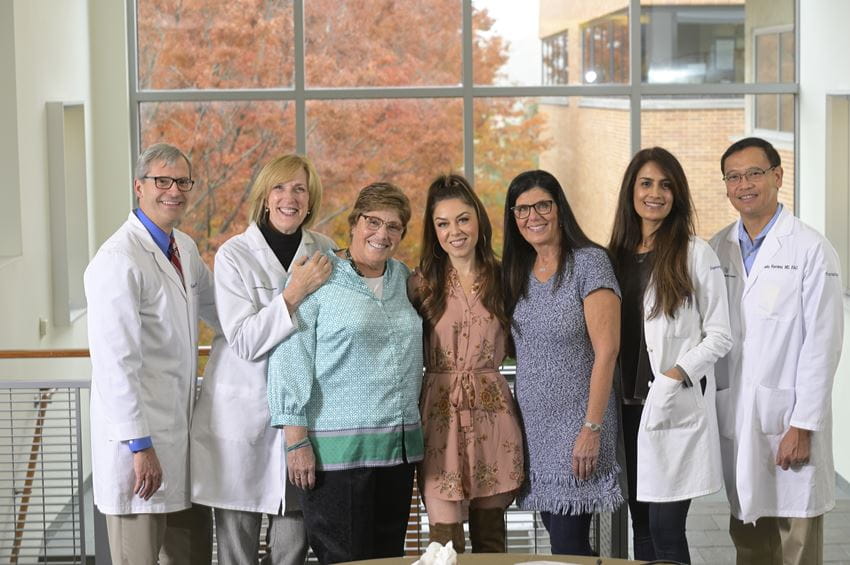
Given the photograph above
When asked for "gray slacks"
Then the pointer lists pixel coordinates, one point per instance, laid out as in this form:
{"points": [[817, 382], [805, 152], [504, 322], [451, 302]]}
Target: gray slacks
{"points": [[238, 537]]}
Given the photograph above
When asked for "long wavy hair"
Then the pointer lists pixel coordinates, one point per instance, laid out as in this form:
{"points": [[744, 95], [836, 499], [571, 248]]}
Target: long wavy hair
{"points": [[670, 278], [434, 263], [518, 256]]}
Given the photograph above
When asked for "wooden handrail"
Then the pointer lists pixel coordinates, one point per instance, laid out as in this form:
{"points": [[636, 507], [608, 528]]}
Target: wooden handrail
{"points": [[203, 351], [26, 493]]}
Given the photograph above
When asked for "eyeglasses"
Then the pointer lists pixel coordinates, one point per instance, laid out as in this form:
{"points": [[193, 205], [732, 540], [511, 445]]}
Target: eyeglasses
{"points": [[374, 223], [523, 210], [752, 175], [164, 183]]}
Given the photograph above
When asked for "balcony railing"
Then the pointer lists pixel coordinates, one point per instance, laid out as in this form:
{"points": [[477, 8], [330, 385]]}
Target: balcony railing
{"points": [[45, 505]]}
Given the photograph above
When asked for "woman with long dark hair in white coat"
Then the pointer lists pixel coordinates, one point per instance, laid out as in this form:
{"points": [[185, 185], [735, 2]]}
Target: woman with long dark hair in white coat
{"points": [[238, 463], [675, 326]]}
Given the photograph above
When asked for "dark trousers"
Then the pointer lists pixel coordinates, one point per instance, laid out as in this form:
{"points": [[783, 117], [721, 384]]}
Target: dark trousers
{"points": [[569, 535], [358, 514], [658, 527]]}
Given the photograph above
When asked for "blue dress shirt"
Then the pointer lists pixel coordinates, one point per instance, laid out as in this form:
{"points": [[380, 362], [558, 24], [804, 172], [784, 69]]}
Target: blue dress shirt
{"points": [[750, 248], [162, 239]]}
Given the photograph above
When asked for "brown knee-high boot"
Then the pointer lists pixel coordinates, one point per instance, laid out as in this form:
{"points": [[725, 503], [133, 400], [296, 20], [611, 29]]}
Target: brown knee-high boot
{"points": [[487, 530], [444, 533]]}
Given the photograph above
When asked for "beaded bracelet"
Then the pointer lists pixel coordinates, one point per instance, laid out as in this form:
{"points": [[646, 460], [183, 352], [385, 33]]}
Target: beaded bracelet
{"points": [[303, 443]]}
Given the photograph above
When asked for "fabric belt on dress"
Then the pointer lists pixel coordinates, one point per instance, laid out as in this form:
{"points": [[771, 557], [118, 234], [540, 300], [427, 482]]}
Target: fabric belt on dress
{"points": [[464, 393]]}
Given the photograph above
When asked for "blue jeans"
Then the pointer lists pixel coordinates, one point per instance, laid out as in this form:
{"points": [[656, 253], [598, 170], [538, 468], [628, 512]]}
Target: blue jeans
{"points": [[569, 535], [658, 527]]}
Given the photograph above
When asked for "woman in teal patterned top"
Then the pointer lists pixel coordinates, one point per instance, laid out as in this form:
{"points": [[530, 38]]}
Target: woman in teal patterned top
{"points": [[345, 388]]}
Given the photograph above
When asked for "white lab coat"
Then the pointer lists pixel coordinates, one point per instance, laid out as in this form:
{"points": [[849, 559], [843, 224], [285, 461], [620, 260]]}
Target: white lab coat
{"points": [[238, 459], [678, 445], [787, 325], [143, 336]]}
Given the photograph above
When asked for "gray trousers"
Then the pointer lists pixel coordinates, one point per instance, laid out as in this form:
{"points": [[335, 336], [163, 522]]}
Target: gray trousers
{"points": [[238, 538]]}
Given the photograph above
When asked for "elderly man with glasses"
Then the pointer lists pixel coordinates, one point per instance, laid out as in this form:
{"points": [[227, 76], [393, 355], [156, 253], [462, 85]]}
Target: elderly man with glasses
{"points": [[774, 398], [146, 288]]}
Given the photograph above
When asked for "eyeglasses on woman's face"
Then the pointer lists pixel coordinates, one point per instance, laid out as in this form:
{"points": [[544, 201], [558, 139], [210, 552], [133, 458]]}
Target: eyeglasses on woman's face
{"points": [[374, 223], [542, 207]]}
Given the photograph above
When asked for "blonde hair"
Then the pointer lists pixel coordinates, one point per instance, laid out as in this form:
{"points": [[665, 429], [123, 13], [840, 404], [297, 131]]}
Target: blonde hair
{"points": [[279, 170]]}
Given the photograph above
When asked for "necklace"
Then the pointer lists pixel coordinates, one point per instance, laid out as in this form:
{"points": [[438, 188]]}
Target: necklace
{"points": [[352, 263], [454, 277]]}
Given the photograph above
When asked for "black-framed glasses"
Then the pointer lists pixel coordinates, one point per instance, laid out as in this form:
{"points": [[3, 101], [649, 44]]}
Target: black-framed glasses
{"points": [[523, 210], [752, 175], [184, 184], [374, 223]]}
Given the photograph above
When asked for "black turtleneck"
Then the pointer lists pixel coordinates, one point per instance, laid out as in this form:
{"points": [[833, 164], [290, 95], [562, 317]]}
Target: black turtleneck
{"points": [[283, 245]]}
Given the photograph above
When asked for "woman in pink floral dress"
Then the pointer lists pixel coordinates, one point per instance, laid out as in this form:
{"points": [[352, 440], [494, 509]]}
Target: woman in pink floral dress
{"points": [[473, 442]]}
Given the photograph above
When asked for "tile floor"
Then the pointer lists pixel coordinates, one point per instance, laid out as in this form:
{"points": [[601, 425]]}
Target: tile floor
{"points": [[708, 530]]}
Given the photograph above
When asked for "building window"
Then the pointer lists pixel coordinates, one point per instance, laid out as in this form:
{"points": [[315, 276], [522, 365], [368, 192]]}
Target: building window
{"points": [[774, 62], [555, 60], [605, 49], [692, 44]]}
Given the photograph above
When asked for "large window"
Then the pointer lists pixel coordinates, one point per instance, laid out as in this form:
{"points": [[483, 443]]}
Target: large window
{"points": [[555, 60], [605, 45], [774, 62], [403, 90], [693, 43]]}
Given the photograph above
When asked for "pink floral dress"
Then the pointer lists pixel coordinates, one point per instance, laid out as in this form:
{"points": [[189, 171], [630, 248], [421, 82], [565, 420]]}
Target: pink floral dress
{"points": [[473, 442]]}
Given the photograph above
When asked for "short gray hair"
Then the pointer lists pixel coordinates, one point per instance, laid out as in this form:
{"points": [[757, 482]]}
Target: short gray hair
{"points": [[159, 152]]}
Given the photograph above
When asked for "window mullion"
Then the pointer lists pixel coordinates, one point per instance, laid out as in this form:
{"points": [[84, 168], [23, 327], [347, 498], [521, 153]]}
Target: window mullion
{"points": [[467, 86], [635, 79], [299, 80]]}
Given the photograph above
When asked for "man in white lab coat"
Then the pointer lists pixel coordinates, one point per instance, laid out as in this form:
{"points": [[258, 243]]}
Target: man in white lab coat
{"points": [[146, 288], [775, 385]]}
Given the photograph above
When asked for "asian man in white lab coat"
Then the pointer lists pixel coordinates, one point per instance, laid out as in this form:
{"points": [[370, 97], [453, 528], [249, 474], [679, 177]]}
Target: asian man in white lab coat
{"points": [[146, 288], [774, 397]]}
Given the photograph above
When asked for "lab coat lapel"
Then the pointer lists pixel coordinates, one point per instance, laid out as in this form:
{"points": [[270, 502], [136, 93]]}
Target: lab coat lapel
{"points": [[264, 253], [307, 247], [769, 248], [162, 261]]}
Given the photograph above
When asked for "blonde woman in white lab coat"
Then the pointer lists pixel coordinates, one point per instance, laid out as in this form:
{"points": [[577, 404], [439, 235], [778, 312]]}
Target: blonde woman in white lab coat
{"points": [[675, 326], [238, 463]]}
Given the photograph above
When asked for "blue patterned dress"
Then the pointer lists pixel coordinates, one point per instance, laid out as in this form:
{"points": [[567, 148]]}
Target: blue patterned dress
{"points": [[554, 362]]}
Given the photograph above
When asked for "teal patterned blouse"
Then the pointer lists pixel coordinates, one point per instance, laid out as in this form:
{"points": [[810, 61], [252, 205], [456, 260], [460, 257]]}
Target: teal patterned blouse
{"points": [[353, 371]]}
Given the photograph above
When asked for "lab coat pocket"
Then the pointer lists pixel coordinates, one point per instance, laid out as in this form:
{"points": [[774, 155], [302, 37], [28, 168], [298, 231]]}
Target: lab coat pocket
{"points": [[774, 406], [238, 412], [671, 405], [725, 413], [775, 300]]}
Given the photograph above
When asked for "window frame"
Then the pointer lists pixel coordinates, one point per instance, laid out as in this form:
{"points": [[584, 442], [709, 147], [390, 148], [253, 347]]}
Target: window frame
{"points": [[777, 135], [467, 91], [548, 46]]}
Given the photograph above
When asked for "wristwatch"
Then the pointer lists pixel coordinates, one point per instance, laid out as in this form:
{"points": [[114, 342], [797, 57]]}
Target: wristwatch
{"points": [[593, 427]]}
